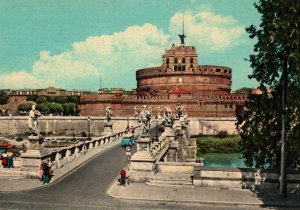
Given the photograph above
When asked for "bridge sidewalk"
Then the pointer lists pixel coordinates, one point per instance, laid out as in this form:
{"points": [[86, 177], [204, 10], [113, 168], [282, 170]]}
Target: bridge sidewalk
{"points": [[141, 191]]}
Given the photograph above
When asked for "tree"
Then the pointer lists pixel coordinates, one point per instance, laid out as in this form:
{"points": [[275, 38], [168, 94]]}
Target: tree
{"points": [[61, 99], [275, 64], [3, 97], [73, 99], [41, 99], [26, 106], [31, 98], [43, 107], [55, 108]]}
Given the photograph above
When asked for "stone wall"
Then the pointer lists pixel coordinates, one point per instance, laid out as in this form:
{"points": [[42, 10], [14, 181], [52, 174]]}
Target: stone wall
{"points": [[242, 178], [211, 125], [60, 125]]}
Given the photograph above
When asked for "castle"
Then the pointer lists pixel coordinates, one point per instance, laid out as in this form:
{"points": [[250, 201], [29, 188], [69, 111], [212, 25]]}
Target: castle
{"points": [[204, 89]]}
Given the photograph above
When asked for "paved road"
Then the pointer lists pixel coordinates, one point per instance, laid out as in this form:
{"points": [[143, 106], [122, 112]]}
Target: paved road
{"points": [[86, 187]]}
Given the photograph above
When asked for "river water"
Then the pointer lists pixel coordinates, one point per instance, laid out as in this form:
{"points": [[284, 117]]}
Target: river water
{"points": [[223, 160]]}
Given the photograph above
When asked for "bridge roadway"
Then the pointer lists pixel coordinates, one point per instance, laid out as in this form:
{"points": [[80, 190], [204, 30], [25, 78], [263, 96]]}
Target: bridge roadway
{"points": [[86, 187]]}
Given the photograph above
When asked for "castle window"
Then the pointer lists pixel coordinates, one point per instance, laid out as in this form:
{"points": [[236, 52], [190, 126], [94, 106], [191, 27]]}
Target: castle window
{"points": [[175, 68], [191, 60], [183, 60], [182, 68], [175, 60], [168, 61], [225, 71], [191, 65], [225, 106], [218, 70]]}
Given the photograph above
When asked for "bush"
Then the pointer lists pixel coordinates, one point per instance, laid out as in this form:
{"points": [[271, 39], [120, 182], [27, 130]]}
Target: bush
{"points": [[222, 134], [212, 144]]}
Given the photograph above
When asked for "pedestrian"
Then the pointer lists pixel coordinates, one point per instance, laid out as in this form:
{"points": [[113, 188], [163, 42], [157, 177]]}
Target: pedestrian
{"points": [[41, 172], [4, 160], [50, 164], [123, 177], [45, 173], [10, 161]]}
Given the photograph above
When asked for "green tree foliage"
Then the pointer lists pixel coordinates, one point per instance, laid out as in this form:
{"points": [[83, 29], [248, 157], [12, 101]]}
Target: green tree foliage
{"points": [[55, 108], [61, 99], [41, 99], [31, 98], [73, 99], [3, 97], [277, 47], [26, 106], [43, 108], [214, 144]]}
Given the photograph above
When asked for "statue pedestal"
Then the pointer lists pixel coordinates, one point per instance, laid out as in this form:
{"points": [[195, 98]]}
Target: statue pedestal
{"points": [[142, 159], [107, 130], [34, 154], [169, 133], [177, 125]]}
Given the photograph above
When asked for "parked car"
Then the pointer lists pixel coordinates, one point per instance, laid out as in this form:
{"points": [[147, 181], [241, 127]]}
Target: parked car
{"points": [[5, 145], [127, 140]]}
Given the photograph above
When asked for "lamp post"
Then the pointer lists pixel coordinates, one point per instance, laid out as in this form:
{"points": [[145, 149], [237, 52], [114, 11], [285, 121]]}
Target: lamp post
{"points": [[283, 185], [127, 122]]}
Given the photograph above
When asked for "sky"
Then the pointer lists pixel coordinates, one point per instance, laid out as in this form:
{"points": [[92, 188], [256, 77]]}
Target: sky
{"points": [[71, 44]]}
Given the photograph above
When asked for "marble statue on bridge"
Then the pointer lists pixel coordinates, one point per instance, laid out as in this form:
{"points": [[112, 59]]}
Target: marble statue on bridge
{"points": [[144, 118], [168, 116], [33, 123], [136, 111], [108, 115], [179, 111]]}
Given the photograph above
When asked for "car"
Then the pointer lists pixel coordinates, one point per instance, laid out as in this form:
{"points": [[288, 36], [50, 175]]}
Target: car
{"points": [[127, 140], [5, 145]]}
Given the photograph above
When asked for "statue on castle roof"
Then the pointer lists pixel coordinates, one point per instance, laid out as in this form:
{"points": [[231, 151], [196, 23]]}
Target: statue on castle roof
{"points": [[144, 118], [33, 123], [182, 36]]}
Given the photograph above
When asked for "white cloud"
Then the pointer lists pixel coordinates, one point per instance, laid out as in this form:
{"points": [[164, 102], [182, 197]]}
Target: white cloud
{"points": [[207, 30], [21, 79], [116, 57]]}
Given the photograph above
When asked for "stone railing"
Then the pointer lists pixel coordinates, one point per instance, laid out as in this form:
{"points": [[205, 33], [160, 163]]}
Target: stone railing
{"points": [[62, 156], [242, 178], [159, 148]]}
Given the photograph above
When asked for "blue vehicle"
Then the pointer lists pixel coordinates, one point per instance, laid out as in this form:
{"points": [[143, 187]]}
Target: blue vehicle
{"points": [[127, 140]]}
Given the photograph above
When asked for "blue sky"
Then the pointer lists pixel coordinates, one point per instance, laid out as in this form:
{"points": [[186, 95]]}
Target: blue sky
{"points": [[71, 43]]}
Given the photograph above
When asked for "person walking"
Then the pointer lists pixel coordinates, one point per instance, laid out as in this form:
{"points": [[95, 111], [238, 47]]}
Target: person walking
{"points": [[45, 173], [4, 160], [10, 161], [50, 164], [41, 172], [123, 177]]}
